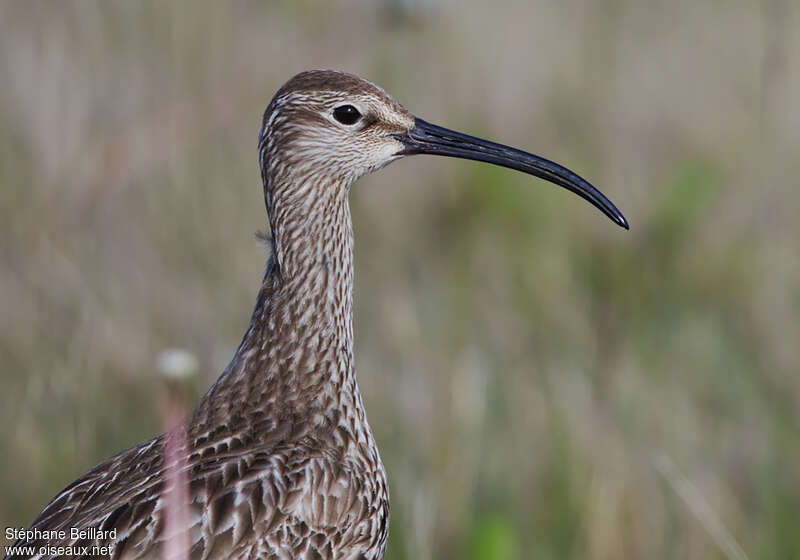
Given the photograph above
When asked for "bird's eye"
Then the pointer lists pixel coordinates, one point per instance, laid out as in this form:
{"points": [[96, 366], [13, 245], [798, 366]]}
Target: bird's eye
{"points": [[346, 114]]}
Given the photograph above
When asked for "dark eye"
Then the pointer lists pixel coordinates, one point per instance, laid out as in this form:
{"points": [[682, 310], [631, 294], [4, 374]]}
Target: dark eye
{"points": [[346, 114]]}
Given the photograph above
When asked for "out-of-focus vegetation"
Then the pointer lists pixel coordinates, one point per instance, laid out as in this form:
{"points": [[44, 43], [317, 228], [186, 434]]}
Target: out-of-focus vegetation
{"points": [[542, 384]]}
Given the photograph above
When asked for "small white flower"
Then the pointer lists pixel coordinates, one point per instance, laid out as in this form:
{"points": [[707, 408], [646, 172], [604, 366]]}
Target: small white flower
{"points": [[176, 363]]}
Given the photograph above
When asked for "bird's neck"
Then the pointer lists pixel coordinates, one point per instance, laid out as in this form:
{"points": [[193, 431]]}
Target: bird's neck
{"points": [[296, 358]]}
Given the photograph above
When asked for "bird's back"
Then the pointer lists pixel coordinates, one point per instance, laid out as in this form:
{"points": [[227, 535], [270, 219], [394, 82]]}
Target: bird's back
{"points": [[290, 492]]}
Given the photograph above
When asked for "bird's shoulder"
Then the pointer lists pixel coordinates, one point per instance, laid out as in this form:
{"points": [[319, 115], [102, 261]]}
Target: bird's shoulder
{"points": [[299, 496]]}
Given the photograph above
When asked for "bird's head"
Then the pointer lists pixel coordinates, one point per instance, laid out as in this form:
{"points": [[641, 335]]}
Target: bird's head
{"points": [[329, 127]]}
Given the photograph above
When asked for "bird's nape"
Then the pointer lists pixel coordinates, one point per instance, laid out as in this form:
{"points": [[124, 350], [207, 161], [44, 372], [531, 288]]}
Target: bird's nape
{"points": [[427, 138]]}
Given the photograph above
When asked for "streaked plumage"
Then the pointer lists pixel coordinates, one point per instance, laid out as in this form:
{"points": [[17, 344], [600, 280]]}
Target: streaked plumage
{"points": [[278, 455]]}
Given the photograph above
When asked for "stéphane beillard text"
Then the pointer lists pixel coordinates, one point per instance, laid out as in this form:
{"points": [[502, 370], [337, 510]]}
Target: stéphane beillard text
{"points": [[28, 535]]}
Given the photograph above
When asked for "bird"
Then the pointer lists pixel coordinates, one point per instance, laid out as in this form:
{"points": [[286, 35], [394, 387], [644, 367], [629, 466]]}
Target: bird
{"points": [[277, 457]]}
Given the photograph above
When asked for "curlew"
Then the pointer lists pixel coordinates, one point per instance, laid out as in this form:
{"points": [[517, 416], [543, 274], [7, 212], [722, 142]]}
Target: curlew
{"points": [[278, 459]]}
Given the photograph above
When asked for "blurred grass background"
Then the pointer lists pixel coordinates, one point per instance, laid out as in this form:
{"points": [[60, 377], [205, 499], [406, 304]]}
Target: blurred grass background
{"points": [[541, 383]]}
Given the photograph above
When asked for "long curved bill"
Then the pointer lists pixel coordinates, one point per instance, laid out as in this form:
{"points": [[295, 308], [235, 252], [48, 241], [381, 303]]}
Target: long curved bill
{"points": [[427, 138]]}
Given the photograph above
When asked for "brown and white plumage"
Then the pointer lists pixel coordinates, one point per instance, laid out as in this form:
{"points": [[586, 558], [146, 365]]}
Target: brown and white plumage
{"points": [[278, 456]]}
